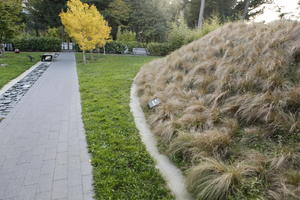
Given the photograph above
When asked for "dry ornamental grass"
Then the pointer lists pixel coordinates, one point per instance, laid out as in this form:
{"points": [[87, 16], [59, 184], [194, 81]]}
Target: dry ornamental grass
{"points": [[241, 81]]}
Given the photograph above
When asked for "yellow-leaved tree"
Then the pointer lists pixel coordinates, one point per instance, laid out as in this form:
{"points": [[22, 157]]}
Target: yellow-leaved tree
{"points": [[85, 25]]}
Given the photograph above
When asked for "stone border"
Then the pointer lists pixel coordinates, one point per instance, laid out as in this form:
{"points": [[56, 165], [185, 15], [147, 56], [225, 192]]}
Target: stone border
{"points": [[12, 92], [20, 77], [173, 176]]}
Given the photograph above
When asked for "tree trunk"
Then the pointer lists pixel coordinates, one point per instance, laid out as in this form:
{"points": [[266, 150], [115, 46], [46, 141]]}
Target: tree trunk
{"points": [[201, 14], [91, 55], [104, 50], [246, 9], [84, 56]]}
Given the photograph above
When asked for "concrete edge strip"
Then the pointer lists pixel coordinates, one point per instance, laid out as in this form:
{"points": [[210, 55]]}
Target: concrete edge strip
{"points": [[173, 176], [20, 77]]}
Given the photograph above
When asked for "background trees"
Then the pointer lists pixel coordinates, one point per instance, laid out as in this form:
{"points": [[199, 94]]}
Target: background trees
{"points": [[225, 9], [43, 14], [147, 20], [150, 20], [10, 11], [117, 13]]}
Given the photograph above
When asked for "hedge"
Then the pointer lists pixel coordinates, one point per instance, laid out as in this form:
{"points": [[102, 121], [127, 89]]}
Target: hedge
{"points": [[119, 47], [38, 44], [159, 49], [115, 47], [155, 49]]}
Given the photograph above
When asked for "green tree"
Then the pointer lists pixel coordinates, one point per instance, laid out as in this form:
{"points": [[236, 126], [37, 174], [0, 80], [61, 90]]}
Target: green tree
{"points": [[117, 14], [43, 14], [222, 8], [118, 11], [225, 9], [147, 20], [9, 19]]}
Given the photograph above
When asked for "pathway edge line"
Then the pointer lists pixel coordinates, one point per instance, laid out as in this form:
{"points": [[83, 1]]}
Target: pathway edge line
{"points": [[172, 175]]}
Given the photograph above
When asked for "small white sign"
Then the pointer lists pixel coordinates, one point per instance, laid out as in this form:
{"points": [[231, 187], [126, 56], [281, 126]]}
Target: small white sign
{"points": [[154, 102]]}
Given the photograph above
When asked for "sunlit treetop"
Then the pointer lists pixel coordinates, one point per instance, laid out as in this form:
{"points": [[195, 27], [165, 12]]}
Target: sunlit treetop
{"points": [[85, 25]]}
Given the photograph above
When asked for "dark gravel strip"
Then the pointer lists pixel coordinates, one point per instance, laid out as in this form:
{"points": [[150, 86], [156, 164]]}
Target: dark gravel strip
{"points": [[13, 95]]}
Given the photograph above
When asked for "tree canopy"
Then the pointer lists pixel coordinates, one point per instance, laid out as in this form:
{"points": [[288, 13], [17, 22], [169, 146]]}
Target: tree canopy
{"points": [[149, 19], [44, 14], [225, 9], [10, 17]]}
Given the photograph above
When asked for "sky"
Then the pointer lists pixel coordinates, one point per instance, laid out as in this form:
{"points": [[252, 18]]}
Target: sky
{"points": [[290, 7]]}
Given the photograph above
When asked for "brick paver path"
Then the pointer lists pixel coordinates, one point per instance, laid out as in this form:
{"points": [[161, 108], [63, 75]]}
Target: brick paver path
{"points": [[43, 151]]}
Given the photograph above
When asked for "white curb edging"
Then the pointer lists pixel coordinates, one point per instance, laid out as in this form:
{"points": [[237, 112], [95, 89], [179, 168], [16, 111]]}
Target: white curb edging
{"points": [[14, 81], [173, 176]]}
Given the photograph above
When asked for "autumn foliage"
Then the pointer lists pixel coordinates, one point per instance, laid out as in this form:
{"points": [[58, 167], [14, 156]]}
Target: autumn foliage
{"points": [[85, 25]]}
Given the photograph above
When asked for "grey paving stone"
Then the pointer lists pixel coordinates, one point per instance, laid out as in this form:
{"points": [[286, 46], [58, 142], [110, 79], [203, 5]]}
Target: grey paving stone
{"points": [[45, 183], [32, 177], [74, 177], [86, 168], [43, 196], [43, 153], [75, 193], [13, 188], [62, 158], [87, 184], [60, 172], [88, 196], [25, 157], [62, 147], [48, 167], [50, 153], [36, 162], [28, 192], [60, 189]]}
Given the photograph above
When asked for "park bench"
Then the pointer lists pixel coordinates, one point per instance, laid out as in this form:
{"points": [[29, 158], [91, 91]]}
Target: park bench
{"points": [[49, 57], [140, 51]]}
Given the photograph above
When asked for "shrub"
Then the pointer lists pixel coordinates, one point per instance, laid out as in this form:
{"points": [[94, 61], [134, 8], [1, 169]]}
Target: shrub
{"points": [[158, 49], [115, 47], [209, 25], [126, 36], [53, 32], [38, 44], [119, 47], [134, 44], [178, 34]]}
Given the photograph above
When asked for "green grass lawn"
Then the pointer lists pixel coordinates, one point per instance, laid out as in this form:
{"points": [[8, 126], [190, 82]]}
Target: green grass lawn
{"points": [[16, 64], [122, 167]]}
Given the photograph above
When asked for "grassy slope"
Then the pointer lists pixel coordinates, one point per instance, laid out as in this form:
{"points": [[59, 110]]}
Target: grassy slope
{"points": [[17, 64], [122, 167], [233, 122]]}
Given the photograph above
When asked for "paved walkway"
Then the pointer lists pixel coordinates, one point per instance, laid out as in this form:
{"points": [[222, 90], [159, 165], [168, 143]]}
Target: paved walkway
{"points": [[43, 153]]}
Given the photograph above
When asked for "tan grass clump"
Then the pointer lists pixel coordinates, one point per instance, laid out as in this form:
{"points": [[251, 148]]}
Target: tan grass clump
{"points": [[215, 180], [241, 78], [246, 72], [193, 145]]}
